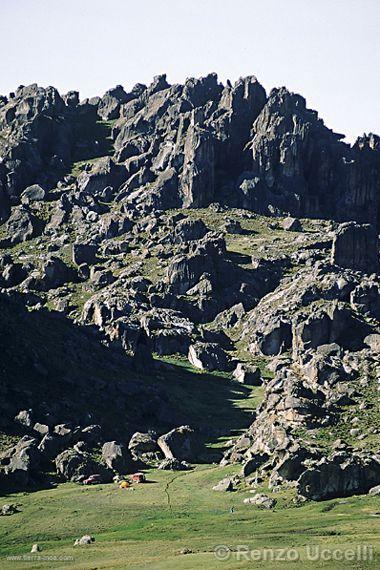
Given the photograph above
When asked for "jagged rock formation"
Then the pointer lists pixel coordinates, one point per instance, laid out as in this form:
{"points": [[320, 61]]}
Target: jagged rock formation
{"points": [[165, 221], [189, 145]]}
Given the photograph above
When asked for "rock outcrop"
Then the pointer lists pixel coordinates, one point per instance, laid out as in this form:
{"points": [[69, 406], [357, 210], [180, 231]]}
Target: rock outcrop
{"points": [[171, 229]]}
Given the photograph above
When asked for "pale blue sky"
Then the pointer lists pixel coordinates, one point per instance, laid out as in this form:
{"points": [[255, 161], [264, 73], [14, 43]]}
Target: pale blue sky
{"points": [[327, 50]]}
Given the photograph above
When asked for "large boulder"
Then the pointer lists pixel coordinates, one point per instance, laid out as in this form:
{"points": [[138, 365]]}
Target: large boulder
{"points": [[103, 173], [168, 330], [116, 456], [260, 500], [173, 465], [225, 485], [189, 230], [20, 463], [20, 225], [333, 323], [54, 273], [34, 193], [13, 274], [181, 443], [52, 444], [25, 418], [373, 342], [74, 465], [84, 253], [85, 540], [208, 356], [247, 374], [144, 447], [292, 225], [185, 271]]}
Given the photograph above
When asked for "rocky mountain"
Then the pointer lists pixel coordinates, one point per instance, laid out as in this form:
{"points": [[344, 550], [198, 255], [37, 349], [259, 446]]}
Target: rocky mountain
{"points": [[207, 222]]}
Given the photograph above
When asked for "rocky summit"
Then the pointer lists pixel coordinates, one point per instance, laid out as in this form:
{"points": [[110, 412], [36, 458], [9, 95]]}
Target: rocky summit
{"points": [[169, 250]]}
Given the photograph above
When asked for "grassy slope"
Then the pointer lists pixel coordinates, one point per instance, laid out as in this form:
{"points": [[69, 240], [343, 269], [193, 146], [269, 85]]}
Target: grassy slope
{"points": [[140, 529]]}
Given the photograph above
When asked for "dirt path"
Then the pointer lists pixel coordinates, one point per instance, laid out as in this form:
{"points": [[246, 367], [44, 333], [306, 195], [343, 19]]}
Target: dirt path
{"points": [[167, 486], [169, 483]]}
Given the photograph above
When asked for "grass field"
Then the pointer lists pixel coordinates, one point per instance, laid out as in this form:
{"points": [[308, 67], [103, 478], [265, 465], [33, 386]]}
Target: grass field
{"points": [[173, 513], [175, 520]]}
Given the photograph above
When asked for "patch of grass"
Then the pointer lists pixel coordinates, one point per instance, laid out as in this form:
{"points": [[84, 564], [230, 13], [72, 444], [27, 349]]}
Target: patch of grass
{"points": [[78, 167], [175, 512]]}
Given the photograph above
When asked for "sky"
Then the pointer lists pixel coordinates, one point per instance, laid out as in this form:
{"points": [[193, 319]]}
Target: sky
{"points": [[327, 50]]}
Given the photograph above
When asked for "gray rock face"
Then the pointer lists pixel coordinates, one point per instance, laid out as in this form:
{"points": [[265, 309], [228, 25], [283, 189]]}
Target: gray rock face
{"points": [[276, 339], [185, 271], [356, 247], [54, 273], [328, 313], [107, 180], [109, 105], [53, 444], [181, 443], [198, 177], [103, 173], [200, 133], [4, 205], [338, 479], [168, 331], [13, 274], [365, 298], [282, 178], [325, 326]]}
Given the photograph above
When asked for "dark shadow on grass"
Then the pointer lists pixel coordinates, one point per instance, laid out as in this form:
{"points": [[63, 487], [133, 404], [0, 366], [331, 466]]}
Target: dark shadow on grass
{"points": [[239, 258], [207, 402]]}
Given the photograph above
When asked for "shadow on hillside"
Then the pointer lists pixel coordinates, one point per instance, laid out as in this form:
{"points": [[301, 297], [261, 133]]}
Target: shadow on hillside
{"points": [[63, 373], [207, 402], [59, 369]]}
